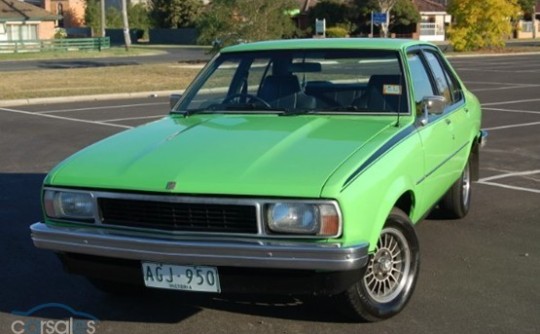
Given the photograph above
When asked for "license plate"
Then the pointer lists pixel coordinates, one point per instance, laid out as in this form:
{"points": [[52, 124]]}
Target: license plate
{"points": [[187, 278]]}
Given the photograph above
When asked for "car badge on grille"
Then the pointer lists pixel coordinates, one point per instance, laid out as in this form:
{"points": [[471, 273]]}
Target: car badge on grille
{"points": [[171, 185]]}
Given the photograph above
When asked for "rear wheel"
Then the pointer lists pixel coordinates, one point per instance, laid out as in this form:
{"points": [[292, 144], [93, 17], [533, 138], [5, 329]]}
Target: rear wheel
{"points": [[389, 279], [457, 201]]}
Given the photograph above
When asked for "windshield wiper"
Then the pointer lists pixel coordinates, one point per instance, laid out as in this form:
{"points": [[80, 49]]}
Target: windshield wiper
{"points": [[296, 112], [215, 108], [342, 108]]}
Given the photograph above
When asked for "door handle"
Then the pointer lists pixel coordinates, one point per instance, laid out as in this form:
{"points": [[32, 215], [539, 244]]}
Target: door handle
{"points": [[448, 121]]}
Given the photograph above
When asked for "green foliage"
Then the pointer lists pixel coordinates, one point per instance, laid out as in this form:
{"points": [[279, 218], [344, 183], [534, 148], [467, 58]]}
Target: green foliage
{"points": [[336, 32], [113, 18], [334, 11], [230, 22], [138, 16], [527, 6], [175, 13], [404, 13], [60, 33], [481, 24], [92, 15]]}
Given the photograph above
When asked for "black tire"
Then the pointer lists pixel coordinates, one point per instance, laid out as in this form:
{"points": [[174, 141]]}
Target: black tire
{"points": [[378, 294], [456, 202]]}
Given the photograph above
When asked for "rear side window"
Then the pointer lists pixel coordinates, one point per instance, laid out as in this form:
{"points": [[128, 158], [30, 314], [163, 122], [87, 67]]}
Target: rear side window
{"points": [[420, 78]]}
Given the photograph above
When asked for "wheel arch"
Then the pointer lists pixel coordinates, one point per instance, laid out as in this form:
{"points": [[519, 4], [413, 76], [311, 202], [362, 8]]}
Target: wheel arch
{"points": [[399, 195]]}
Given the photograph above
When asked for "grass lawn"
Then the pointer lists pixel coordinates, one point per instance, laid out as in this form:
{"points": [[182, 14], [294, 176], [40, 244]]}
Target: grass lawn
{"points": [[100, 80]]}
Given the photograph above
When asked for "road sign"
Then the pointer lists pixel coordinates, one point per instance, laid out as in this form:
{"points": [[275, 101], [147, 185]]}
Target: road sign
{"points": [[379, 18]]}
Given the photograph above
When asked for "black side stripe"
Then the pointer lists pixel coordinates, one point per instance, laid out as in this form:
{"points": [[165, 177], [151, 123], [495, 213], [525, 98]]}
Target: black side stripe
{"points": [[442, 163], [379, 153]]}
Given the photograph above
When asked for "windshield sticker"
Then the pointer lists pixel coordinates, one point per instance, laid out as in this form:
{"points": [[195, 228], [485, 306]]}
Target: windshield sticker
{"points": [[392, 89]]}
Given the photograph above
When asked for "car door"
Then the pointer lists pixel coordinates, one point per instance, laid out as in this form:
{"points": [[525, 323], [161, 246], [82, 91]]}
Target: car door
{"points": [[436, 133], [456, 113]]}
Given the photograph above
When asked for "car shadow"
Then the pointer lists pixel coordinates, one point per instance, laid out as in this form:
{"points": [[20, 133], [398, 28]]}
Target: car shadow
{"points": [[32, 278]]}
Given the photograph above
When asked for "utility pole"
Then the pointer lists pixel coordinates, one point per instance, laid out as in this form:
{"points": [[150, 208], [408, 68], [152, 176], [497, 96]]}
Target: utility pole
{"points": [[102, 2], [127, 37]]}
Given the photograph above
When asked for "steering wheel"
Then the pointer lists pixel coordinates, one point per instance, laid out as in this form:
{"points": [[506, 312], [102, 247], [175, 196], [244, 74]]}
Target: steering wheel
{"points": [[249, 97]]}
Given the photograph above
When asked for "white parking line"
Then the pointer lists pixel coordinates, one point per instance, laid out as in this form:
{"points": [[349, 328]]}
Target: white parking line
{"points": [[66, 118], [500, 185], [502, 127], [102, 108], [486, 181], [503, 88], [513, 110], [497, 71], [509, 102], [502, 176], [130, 118]]}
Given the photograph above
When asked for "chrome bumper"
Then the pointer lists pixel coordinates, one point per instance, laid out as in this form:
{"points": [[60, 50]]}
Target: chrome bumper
{"points": [[482, 139], [258, 253]]}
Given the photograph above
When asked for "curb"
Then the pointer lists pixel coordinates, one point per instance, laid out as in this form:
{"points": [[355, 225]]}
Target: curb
{"points": [[80, 98]]}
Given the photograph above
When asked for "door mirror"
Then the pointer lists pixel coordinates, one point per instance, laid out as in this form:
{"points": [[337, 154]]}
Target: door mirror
{"points": [[432, 105], [173, 99]]}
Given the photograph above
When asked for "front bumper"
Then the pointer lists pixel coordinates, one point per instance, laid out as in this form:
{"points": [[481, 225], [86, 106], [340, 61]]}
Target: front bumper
{"points": [[198, 251]]}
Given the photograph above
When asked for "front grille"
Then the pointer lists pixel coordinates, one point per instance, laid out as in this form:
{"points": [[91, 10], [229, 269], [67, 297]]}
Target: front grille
{"points": [[189, 217]]}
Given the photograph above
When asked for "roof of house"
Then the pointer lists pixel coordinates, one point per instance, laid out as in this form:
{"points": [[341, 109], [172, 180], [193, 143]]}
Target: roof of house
{"points": [[429, 6], [15, 10]]}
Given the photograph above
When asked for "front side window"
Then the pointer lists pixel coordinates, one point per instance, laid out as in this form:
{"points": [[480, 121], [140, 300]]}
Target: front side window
{"points": [[295, 81], [420, 79]]}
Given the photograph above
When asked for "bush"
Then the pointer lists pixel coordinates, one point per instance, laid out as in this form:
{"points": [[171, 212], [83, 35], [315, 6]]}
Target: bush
{"points": [[60, 33], [336, 32]]}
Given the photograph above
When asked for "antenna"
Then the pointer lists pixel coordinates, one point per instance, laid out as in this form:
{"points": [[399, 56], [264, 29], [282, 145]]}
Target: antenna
{"points": [[399, 100]]}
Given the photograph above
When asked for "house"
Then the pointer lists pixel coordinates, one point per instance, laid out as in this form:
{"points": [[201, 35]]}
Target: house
{"points": [[72, 11], [21, 21], [301, 13], [529, 25], [434, 20]]}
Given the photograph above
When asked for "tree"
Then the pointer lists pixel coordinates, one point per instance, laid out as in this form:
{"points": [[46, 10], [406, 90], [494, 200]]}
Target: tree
{"points": [[233, 21], [527, 7], [92, 15], [337, 14], [404, 13], [481, 24], [175, 13], [386, 6]]}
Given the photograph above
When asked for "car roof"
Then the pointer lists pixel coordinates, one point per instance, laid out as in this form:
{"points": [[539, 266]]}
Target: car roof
{"points": [[327, 43]]}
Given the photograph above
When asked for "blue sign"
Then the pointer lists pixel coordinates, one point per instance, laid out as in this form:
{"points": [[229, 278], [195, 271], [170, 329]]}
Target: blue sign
{"points": [[379, 18]]}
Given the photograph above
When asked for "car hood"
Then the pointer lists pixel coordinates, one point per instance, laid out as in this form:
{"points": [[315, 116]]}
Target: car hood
{"points": [[264, 155]]}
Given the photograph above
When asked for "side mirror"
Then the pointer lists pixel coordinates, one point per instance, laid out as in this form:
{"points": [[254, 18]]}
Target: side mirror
{"points": [[173, 99], [433, 105]]}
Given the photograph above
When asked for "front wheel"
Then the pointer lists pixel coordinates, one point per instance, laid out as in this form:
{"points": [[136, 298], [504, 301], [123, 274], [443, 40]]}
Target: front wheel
{"points": [[391, 274]]}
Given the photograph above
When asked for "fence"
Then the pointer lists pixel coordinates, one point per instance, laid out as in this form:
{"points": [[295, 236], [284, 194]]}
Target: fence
{"points": [[68, 44]]}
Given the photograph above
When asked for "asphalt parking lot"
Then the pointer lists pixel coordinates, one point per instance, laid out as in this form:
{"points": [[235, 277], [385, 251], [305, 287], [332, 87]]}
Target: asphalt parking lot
{"points": [[478, 275]]}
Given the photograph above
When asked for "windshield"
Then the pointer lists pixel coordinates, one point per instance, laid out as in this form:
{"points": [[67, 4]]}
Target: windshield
{"points": [[299, 81]]}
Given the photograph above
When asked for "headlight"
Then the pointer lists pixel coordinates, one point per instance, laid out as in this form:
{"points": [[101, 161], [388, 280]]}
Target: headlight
{"points": [[303, 218], [68, 204]]}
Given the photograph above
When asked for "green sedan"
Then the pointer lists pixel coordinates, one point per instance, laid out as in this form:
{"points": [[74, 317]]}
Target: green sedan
{"points": [[290, 167]]}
